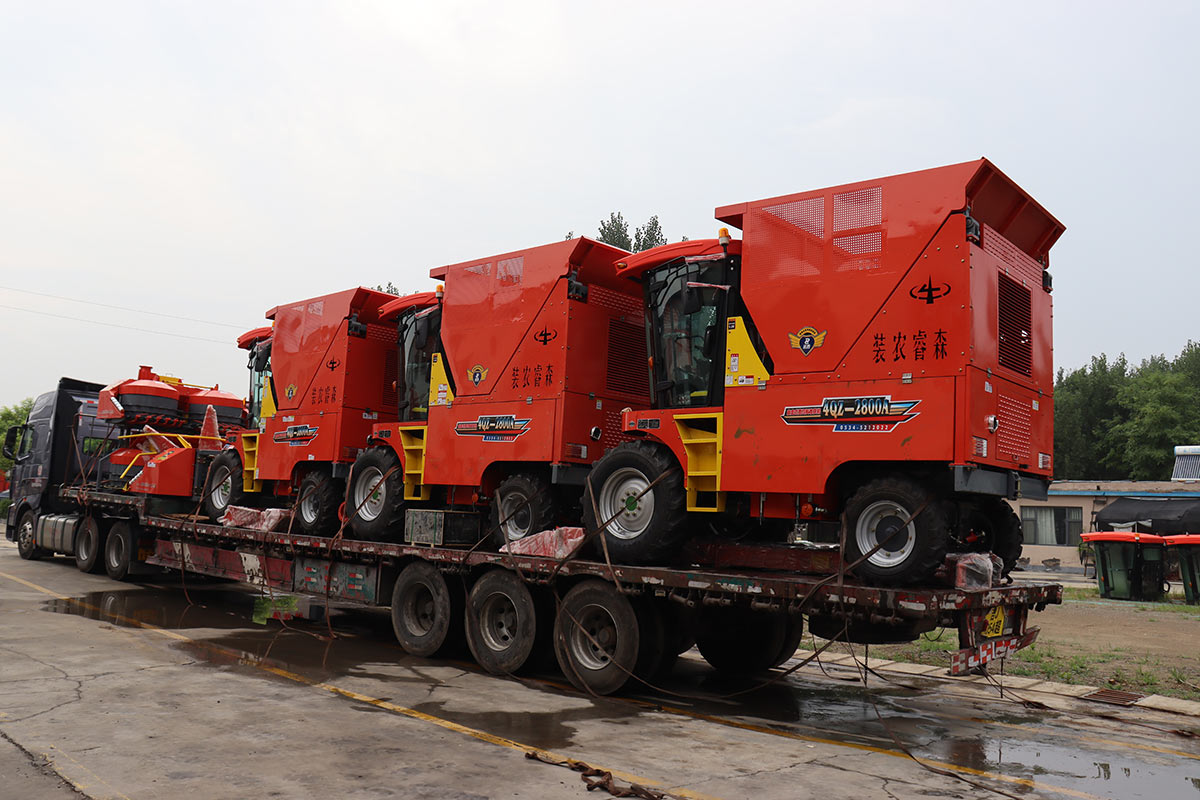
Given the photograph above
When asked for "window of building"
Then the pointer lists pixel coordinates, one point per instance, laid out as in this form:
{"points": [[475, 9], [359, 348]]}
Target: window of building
{"points": [[1052, 525]]}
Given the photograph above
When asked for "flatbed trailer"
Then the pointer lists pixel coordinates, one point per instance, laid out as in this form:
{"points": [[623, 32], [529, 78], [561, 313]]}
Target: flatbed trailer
{"points": [[606, 623]]}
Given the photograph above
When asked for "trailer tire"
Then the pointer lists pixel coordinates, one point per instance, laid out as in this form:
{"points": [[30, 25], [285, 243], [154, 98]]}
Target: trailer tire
{"points": [[375, 515], [875, 512], [523, 505], [120, 550], [89, 545], [224, 486], [1003, 534], [654, 656], [427, 614], [597, 637], [739, 641], [317, 503], [27, 546], [646, 530], [501, 622]]}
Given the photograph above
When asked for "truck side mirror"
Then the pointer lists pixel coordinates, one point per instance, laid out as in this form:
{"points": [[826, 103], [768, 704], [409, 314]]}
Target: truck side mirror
{"points": [[262, 356], [691, 299], [420, 333], [10, 440]]}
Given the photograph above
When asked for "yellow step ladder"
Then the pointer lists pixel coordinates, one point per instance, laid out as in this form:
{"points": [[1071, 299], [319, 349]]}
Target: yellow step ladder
{"points": [[412, 443], [701, 437], [250, 463]]}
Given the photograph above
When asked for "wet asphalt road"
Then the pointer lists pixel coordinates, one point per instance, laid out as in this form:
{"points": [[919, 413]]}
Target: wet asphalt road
{"points": [[129, 690]]}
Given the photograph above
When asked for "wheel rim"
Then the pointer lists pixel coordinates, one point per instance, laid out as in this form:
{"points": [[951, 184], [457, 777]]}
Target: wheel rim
{"points": [[83, 544], [619, 498], [25, 534], [222, 487], [417, 610], [882, 520], [498, 622], [310, 506], [516, 514], [116, 551], [593, 639], [369, 506]]}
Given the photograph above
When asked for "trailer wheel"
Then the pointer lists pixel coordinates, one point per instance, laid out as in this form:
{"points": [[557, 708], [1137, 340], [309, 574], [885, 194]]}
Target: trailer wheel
{"points": [[501, 622], [646, 527], [320, 496], [27, 547], [89, 545], [596, 637], [654, 658], [120, 550], [1000, 528], [224, 486], [739, 641], [525, 506], [379, 501], [911, 552], [427, 614]]}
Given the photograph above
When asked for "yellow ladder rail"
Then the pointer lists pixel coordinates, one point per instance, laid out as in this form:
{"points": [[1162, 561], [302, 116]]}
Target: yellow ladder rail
{"points": [[412, 443], [703, 468]]}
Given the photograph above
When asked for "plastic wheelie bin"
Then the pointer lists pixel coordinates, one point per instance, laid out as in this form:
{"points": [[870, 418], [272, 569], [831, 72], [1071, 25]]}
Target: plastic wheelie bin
{"points": [[1129, 566], [1187, 547]]}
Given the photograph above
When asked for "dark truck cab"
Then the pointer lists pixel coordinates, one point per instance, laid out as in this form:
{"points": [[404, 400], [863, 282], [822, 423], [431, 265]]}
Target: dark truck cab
{"points": [[60, 443]]}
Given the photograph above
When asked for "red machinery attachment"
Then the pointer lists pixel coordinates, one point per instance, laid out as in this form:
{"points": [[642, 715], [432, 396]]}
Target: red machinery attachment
{"points": [[146, 399]]}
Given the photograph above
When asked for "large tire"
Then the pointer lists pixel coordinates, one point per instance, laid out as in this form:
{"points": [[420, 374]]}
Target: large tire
{"points": [[427, 613], [597, 637], [27, 547], [501, 622], [997, 528], [739, 641], [644, 530], [525, 506], [89, 544], [120, 550], [318, 502], [224, 486], [912, 552], [378, 515]]}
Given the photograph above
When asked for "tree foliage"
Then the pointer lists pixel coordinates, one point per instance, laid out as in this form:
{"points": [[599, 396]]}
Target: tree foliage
{"points": [[9, 416], [1114, 422], [615, 231], [648, 235]]}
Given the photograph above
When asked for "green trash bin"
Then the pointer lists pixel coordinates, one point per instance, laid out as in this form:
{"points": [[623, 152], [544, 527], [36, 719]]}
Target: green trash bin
{"points": [[1129, 566], [1188, 549]]}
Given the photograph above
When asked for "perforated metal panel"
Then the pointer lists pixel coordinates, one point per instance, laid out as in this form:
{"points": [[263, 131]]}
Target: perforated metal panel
{"points": [[1016, 429], [389, 380], [807, 215], [1015, 325], [861, 208], [613, 435], [1019, 263], [627, 305]]}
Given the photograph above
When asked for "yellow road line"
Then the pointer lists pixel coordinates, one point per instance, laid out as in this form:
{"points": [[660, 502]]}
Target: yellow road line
{"points": [[503, 742]]}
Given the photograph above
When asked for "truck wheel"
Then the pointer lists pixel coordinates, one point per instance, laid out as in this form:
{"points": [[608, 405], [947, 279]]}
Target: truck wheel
{"points": [[380, 504], [224, 486], [1000, 530], [653, 642], [910, 552], [427, 615], [596, 637], [739, 641], [27, 547], [320, 496], [646, 529], [525, 506], [501, 622], [89, 545], [120, 550]]}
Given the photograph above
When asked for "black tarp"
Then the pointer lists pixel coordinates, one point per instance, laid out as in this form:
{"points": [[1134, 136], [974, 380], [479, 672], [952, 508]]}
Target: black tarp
{"points": [[1155, 516]]}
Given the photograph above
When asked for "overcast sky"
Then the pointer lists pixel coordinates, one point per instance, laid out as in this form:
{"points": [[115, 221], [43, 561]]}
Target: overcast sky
{"points": [[209, 160]]}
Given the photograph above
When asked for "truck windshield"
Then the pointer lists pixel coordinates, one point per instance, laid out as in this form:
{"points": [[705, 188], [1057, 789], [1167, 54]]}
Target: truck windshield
{"points": [[686, 309], [420, 331]]}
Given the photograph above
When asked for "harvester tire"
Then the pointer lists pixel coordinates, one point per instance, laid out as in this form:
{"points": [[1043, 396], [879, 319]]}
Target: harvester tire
{"points": [[89, 545], [525, 506], [647, 527], [376, 516], [739, 641], [427, 613], [1002, 530], [27, 547], [912, 552], [317, 503], [120, 550], [597, 637], [501, 622], [224, 485]]}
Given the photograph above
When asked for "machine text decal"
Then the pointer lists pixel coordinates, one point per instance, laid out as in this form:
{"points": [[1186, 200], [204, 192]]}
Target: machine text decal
{"points": [[493, 427], [297, 435], [854, 414]]}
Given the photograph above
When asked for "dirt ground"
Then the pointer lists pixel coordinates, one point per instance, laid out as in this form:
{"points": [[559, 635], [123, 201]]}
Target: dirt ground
{"points": [[1152, 648]]}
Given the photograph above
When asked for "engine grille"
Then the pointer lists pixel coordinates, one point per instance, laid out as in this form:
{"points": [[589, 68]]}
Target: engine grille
{"points": [[1015, 321], [1016, 429], [613, 435], [626, 373]]}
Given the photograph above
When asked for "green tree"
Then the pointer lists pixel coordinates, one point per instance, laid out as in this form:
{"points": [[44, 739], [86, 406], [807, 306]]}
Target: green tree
{"points": [[615, 231], [648, 235], [9, 416], [388, 287], [1160, 412], [1085, 410]]}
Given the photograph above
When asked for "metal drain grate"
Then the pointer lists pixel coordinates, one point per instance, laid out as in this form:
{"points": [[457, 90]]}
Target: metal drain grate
{"points": [[1114, 697]]}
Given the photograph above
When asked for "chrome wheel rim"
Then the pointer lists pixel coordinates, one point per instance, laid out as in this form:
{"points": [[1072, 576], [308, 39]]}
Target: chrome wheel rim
{"points": [[83, 543], [116, 551], [593, 637], [880, 521], [369, 504], [516, 515], [619, 501], [25, 535], [222, 487], [498, 622]]}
